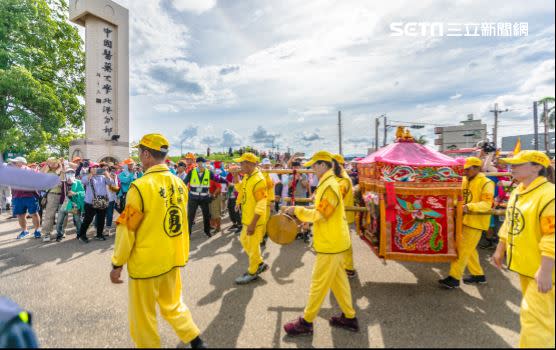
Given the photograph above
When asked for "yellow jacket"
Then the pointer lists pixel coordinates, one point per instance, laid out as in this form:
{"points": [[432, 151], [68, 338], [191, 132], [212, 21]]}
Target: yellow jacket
{"points": [[252, 192], [330, 229], [529, 227], [346, 190], [269, 188], [478, 195], [152, 236]]}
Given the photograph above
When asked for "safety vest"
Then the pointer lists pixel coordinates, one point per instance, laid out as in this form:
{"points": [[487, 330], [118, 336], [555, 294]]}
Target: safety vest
{"points": [[478, 195], [161, 233], [529, 227], [198, 187]]}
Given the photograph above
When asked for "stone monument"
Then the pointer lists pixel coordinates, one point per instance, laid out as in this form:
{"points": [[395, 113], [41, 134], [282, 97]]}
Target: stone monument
{"points": [[106, 80]]}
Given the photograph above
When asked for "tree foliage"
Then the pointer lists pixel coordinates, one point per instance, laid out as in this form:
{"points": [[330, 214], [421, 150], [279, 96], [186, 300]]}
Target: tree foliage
{"points": [[42, 66], [549, 111]]}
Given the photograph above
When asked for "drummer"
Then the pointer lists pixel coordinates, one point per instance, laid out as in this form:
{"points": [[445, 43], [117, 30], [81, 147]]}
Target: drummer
{"points": [[478, 192], [346, 190], [253, 194], [331, 242]]}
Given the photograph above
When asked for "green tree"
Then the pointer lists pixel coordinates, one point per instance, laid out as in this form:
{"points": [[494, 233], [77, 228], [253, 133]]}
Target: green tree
{"points": [[549, 117], [41, 77]]}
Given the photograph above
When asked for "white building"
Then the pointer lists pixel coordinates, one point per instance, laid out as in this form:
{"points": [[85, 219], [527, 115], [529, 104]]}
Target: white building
{"points": [[466, 135]]}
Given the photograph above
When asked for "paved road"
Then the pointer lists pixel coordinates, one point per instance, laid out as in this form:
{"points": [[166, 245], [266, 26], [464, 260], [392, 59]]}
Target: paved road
{"points": [[66, 286]]}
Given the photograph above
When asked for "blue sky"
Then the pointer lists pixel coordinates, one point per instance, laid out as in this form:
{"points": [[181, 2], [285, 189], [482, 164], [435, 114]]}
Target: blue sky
{"points": [[221, 73]]}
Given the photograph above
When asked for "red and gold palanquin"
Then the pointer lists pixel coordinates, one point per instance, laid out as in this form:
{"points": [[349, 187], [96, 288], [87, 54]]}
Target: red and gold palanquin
{"points": [[413, 194]]}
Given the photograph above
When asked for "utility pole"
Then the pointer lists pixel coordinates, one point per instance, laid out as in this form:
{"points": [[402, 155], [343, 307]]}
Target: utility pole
{"points": [[377, 123], [385, 130], [340, 130], [536, 125], [496, 112], [545, 120]]}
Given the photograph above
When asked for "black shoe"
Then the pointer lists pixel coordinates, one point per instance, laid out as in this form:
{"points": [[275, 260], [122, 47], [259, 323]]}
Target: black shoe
{"points": [[449, 282], [209, 235], [475, 279], [485, 243], [83, 239], [59, 238], [100, 238], [197, 343], [262, 268]]}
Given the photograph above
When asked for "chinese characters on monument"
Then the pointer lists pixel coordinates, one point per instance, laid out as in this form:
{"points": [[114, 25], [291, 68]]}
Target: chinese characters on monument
{"points": [[104, 94]]}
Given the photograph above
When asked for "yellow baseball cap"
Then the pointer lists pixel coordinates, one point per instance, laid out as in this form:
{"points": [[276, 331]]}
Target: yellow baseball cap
{"points": [[247, 157], [472, 161], [320, 155], [339, 158], [155, 141], [528, 157]]}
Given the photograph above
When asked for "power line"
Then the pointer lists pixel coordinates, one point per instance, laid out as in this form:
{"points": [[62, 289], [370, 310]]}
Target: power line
{"points": [[418, 123]]}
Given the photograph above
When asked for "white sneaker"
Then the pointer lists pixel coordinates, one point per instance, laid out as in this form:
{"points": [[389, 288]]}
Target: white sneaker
{"points": [[46, 238]]}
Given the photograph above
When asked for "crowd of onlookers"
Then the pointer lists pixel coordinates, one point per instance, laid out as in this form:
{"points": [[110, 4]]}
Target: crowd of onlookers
{"points": [[81, 182], [90, 193]]}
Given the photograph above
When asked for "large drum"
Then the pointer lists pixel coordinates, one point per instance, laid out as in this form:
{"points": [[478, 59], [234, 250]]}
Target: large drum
{"points": [[282, 229]]}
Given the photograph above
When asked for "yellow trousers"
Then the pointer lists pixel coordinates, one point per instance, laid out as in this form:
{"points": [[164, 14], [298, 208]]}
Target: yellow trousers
{"points": [[537, 316], [251, 245], [467, 254], [329, 274], [267, 218], [348, 265], [165, 291]]}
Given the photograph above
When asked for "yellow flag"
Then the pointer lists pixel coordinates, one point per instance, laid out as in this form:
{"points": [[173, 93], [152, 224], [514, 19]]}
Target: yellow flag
{"points": [[517, 147]]}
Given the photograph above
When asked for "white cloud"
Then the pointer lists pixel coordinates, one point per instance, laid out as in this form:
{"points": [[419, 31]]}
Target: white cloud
{"points": [[195, 6], [298, 63], [153, 35], [168, 108], [231, 139]]}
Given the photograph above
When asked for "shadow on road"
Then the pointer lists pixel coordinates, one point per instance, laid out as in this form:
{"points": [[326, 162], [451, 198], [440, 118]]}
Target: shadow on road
{"points": [[226, 326], [287, 261]]}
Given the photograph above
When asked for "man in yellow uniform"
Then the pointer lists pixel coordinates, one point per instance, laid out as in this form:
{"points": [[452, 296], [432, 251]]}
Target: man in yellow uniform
{"points": [[478, 193], [346, 190], [266, 165], [527, 239], [253, 195], [152, 238], [331, 241]]}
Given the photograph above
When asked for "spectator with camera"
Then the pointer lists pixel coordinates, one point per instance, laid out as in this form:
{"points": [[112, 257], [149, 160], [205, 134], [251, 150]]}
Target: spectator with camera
{"points": [[96, 200], [112, 199], [73, 204]]}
